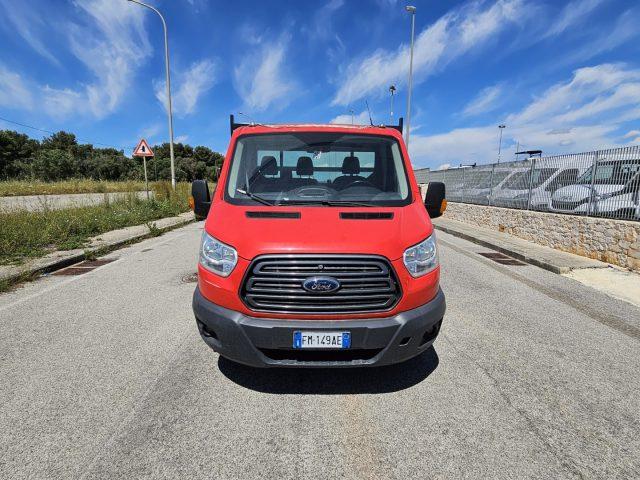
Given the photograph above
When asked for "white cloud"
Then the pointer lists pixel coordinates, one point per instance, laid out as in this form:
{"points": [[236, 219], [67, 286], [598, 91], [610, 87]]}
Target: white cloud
{"points": [[111, 43], [14, 92], [150, 131], [361, 118], [584, 113], [188, 87], [260, 79], [322, 27], [571, 14], [453, 35], [632, 134], [321, 30], [21, 20], [486, 100], [111, 46], [567, 99], [624, 30], [181, 138]]}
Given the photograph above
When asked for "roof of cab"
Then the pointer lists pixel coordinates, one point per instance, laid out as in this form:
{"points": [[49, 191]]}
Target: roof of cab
{"points": [[261, 128]]}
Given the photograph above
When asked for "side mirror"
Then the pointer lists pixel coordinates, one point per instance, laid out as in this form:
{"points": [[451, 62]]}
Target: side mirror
{"points": [[434, 199], [200, 201]]}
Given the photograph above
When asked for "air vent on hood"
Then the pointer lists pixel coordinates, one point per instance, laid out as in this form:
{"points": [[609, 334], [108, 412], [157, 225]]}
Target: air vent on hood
{"points": [[273, 214], [366, 215]]}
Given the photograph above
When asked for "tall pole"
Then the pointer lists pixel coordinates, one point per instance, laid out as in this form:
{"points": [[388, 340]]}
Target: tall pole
{"points": [[392, 90], [412, 10], [168, 85], [352, 116], [500, 127]]}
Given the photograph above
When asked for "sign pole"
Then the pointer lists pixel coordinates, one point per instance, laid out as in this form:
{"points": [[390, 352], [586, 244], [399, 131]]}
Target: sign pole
{"points": [[146, 180]]}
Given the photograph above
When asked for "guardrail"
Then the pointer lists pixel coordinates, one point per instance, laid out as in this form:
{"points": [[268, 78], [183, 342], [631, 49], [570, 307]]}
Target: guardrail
{"points": [[603, 183]]}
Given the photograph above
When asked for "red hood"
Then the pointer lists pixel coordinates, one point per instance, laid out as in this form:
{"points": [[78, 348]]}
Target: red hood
{"points": [[318, 230]]}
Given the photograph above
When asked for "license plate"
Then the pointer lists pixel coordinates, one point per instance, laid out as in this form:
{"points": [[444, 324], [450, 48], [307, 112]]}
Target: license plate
{"points": [[321, 340]]}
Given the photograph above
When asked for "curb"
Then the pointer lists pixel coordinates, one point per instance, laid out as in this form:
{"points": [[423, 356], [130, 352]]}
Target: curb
{"points": [[552, 267], [63, 259]]}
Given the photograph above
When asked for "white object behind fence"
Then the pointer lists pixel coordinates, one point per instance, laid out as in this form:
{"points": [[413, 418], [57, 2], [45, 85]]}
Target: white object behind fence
{"points": [[601, 183]]}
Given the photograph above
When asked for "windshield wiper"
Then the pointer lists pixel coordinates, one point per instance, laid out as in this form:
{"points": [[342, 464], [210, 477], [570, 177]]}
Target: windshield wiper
{"points": [[329, 203], [255, 197]]}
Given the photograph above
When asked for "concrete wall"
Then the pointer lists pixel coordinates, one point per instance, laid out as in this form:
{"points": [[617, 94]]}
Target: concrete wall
{"points": [[612, 241]]}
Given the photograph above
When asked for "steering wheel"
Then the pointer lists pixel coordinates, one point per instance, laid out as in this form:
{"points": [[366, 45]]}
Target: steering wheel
{"points": [[365, 183], [312, 191]]}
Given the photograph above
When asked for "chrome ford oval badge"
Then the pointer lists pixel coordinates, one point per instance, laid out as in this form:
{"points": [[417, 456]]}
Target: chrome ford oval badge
{"points": [[321, 284]]}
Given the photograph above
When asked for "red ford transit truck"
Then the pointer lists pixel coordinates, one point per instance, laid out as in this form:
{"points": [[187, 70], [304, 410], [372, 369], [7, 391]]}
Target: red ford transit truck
{"points": [[318, 249]]}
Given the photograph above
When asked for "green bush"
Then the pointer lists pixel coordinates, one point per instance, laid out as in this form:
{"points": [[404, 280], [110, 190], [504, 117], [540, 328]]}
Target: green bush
{"points": [[60, 157]]}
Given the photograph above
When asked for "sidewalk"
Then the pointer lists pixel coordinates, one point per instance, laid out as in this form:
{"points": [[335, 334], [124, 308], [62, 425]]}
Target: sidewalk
{"points": [[612, 280], [543, 257], [100, 244]]}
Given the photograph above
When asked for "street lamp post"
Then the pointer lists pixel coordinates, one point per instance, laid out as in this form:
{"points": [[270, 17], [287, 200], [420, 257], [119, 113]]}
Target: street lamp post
{"points": [[500, 127], [168, 85], [412, 10]]}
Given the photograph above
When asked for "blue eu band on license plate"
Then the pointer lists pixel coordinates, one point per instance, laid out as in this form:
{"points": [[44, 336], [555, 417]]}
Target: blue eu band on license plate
{"points": [[336, 340]]}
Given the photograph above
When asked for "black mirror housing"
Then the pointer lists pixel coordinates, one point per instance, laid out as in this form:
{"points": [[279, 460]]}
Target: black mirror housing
{"points": [[201, 199], [435, 199]]}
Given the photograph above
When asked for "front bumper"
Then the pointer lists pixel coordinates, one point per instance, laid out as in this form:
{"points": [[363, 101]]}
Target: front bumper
{"points": [[262, 342]]}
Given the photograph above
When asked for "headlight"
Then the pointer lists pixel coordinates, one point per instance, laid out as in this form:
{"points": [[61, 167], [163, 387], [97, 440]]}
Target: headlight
{"points": [[604, 196], [216, 256], [422, 258]]}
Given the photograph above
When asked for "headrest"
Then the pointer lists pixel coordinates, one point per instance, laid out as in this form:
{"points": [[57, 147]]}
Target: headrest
{"points": [[351, 166], [304, 167], [268, 165]]}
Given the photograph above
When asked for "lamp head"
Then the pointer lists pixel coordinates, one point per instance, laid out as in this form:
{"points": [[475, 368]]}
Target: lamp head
{"points": [[410, 9]]}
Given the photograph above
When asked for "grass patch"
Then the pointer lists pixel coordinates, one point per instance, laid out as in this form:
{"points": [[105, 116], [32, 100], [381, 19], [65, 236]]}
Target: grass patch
{"points": [[12, 188], [33, 234]]}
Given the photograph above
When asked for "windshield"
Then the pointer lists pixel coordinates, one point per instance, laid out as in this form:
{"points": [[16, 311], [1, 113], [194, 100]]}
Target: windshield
{"points": [[520, 181], [613, 173], [318, 168]]}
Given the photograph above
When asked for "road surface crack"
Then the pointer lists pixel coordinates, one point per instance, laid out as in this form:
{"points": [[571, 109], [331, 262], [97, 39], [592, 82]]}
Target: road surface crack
{"points": [[566, 462]]}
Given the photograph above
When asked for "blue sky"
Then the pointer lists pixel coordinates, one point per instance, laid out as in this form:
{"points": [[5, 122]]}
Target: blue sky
{"points": [[563, 76]]}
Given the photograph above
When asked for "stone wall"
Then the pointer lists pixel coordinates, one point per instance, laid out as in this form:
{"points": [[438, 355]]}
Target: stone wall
{"points": [[612, 241]]}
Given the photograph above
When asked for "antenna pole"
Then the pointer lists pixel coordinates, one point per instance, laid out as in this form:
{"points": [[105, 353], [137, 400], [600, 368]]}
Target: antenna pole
{"points": [[412, 11], [392, 90]]}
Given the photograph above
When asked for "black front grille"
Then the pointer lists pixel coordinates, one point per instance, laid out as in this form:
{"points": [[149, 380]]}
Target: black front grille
{"points": [[273, 283], [562, 205]]}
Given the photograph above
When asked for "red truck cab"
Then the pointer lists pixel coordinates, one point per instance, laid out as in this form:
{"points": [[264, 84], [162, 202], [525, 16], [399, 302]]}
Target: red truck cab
{"points": [[318, 249]]}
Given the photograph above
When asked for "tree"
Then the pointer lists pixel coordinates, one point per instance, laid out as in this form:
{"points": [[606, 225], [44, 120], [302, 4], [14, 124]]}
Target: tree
{"points": [[54, 164], [62, 141], [59, 157], [202, 154], [16, 151], [200, 171]]}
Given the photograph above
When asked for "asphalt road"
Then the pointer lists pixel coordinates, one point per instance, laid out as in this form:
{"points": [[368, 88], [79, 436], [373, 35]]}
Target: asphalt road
{"points": [[35, 203], [104, 375]]}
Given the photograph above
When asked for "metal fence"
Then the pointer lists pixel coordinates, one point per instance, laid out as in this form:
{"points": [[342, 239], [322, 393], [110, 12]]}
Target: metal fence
{"points": [[603, 183]]}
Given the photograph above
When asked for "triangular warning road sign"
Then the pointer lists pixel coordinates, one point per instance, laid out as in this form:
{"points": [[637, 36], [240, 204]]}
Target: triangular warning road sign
{"points": [[143, 149]]}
